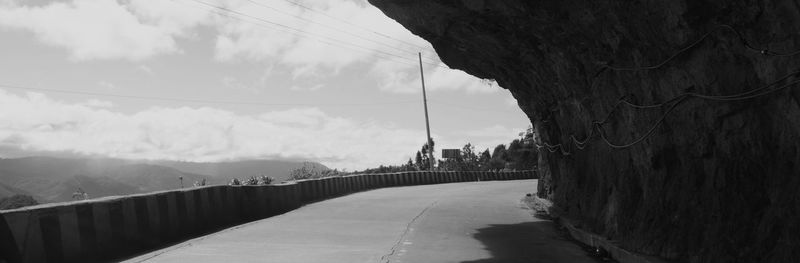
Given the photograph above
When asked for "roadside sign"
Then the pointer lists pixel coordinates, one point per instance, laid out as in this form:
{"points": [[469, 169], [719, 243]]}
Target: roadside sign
{"points": [[451, 153]]}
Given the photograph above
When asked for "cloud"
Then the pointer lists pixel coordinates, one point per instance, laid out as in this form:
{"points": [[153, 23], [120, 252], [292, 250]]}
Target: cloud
{"points": [[399, 78], [91, 29], [493, 131], [512, 102], [327, 45], [308, 88], [147, 70], [325, 39], [337, 34], [107, 85], [37, 123], [172, 17], [235, 84], [93, 103]]}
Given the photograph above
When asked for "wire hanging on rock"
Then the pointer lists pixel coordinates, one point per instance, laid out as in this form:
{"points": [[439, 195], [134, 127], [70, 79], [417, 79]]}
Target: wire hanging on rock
{"points": [[673, 102], [739, 35]]}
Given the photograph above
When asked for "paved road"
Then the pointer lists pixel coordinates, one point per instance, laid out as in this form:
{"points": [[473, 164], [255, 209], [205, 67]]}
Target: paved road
{"points": [[460, 222]]}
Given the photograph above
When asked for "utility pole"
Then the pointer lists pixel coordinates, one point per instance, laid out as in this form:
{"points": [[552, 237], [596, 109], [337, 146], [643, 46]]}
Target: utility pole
{"points": [[427, 122]]}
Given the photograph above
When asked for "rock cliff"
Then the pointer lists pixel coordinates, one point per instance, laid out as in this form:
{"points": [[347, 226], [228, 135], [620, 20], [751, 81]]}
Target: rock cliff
{"points": [[703, 88]]}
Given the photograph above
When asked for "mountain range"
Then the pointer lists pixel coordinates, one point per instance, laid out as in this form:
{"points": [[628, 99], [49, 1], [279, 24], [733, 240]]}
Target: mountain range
{"points": [[52, 179]]}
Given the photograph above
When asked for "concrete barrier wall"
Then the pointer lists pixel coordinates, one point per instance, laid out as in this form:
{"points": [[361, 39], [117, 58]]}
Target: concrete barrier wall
{"points": [[111, 228]]}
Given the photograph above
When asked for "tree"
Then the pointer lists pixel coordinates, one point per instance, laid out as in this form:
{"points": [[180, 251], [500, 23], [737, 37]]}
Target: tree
{"points": [[235, 181], [311, 171], [426, 153], [484, 159], [496, 164], [499, 158], [514, 148], [330, 173], [469, 160], [200, 183], [17, 201], [522, 154], [80, 194], [307, 171], [265, 180], [250, 181], [409, 166], [418, 161], [500, 152], [430, 145]]}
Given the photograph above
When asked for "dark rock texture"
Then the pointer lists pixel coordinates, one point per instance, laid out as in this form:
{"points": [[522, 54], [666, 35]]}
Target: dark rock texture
{"points": [[718, 181]]}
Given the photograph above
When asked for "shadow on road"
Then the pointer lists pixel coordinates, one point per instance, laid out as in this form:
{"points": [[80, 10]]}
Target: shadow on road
{"points": [[530, 242]]}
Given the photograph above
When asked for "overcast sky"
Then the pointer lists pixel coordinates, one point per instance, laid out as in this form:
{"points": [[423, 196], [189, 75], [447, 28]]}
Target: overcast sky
{"points": [[333, 81]]}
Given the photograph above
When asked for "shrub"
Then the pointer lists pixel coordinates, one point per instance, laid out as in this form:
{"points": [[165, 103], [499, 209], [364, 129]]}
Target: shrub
{"points": [[310, 171], [17, 201], [200, 183], [265, 180], [235, 181], [250, 181]]}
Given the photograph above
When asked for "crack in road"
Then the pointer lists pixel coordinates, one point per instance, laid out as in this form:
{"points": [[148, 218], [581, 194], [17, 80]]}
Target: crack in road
{"points": [[385, 258]]}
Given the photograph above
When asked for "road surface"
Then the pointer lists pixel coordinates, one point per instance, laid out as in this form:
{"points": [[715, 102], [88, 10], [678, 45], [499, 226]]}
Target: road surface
{"points": [[458, 222]]}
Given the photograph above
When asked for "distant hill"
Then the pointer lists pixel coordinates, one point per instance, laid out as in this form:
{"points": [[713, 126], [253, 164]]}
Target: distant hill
{"points": [[149, 178], [61, 189], [55, 179], [7, 191], [50, 179]]}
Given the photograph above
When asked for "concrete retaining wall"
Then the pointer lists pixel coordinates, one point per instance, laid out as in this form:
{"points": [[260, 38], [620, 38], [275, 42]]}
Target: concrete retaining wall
{"points": [[112, 228]]}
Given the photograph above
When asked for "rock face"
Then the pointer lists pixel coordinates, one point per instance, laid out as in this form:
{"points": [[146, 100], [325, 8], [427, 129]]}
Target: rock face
{"points": [[718, 180]]}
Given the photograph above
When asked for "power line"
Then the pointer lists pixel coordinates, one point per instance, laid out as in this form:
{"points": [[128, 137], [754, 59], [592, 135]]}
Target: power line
{"points": [[353, 24], [301, 32], [330, 27], [221, 13], [200, 100], [466, 107]]}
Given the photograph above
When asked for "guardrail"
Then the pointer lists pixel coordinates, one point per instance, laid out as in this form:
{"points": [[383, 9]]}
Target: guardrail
{"points": [[112, 228]]}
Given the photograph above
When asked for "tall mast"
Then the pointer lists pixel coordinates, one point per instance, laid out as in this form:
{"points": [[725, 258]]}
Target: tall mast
{"points": [[427, 122]]}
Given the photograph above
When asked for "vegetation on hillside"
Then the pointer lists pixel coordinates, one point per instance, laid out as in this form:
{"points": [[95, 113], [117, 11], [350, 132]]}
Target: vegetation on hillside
{"points": [[310, 171], [521, 154], [17, 201], [253, 180], [104, 177]]}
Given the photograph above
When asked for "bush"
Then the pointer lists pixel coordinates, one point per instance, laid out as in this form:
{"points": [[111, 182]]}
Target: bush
{"points": [[200, 183], [310, 171], [235, 181], [265, 180], [250, 181], [17, 201], [253, 180]]}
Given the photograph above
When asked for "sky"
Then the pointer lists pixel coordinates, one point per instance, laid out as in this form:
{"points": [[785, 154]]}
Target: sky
{"points": [[333, 81]]}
